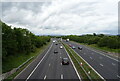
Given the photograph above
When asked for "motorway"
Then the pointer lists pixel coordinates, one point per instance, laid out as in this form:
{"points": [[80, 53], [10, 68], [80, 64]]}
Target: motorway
{"points": [[106, 67], [48, 66]]}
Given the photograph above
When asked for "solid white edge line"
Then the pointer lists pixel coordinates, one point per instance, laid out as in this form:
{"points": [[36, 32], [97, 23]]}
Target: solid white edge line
{"points": [[73, 65], [90, 65], [101, 64], [61, 76], [38, 63], [45, 77], [98, 52], [102, 54], [26, 67], [118, 76]]}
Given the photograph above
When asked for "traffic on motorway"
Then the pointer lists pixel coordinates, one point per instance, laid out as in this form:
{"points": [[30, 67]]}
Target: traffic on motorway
{"points": [[55, 63], [106, 66]]}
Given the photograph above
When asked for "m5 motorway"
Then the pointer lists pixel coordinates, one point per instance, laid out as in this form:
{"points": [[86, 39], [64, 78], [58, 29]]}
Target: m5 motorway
{"points": [[48, 65], [107, 67]]}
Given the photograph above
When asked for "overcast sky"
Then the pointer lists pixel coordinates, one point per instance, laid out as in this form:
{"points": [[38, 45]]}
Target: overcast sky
{"points": [[62, 17]]}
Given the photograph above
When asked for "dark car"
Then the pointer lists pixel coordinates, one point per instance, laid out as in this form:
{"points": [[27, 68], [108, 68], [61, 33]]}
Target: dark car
{"points": [[80, 48], [56, 44], [65, 61], [55, 51]]}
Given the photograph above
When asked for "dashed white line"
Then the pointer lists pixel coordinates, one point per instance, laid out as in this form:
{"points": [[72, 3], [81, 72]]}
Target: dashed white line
{"points": [[60, 53], [90, 65], [39, 63], [113, 64], [61, 64], [60, 57], [61, 76], [49, 65], [103, 54], [101, 64], [91, 58], [45, 77]]}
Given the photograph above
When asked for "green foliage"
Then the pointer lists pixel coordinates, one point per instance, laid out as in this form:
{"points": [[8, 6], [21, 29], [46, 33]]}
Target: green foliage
{"points": [[101, 40], [18, 40]]}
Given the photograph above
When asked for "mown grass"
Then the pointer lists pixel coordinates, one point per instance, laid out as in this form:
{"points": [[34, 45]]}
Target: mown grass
{"points": [[15, 61], [94, 76]]}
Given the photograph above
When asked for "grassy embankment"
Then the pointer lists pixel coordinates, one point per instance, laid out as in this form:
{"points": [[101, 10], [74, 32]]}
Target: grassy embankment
{"points": [[15, 61], [93, 75]]}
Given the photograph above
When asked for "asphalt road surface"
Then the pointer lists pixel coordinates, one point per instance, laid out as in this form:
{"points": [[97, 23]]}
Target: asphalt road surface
{"points": [[106, 67], [48, 66]]}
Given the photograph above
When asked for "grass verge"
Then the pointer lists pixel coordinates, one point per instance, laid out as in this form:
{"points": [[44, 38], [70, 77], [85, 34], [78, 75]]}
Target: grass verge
{"points": [[16, 61], [93, 75], [95, 46]]}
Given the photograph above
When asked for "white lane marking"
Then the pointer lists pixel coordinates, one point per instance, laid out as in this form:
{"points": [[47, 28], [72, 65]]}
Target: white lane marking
{"points": [[60, 53], [61, 64], [101, 64], [90, 65], [39, 63], [73, 65], [103, 54], [118, 76], [60, 57], [92, 53], [61, 76], [45, 77], [113, 64], [91, 58], [26, 67], [49, 65]]}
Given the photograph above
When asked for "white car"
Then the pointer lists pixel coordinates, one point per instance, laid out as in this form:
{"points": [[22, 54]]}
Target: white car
{"points": [[53, 40], [61, 47]]}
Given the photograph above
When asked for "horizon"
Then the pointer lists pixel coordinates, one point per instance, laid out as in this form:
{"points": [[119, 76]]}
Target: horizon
{"points": [[54, 17]]}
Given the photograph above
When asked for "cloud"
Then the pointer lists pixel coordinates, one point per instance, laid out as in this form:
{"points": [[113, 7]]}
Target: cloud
{"points": [[63, 17]]}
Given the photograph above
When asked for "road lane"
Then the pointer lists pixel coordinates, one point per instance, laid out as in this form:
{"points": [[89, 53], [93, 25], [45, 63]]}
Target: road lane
{"points": [[26, 72], [103, 65], [50, 67], [68, 73]]}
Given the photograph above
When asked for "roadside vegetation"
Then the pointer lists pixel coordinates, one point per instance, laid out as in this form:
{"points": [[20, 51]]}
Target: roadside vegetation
{"points": [[101, 41], [23, 57], [84, 69], [19, 45]]}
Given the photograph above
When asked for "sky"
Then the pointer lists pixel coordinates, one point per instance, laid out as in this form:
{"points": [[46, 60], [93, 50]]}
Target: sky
{"points": [[62, 17]]}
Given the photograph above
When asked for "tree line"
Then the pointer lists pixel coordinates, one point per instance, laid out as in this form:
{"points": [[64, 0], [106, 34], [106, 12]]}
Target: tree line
{"points": [[19, 40], [101, 40]]}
